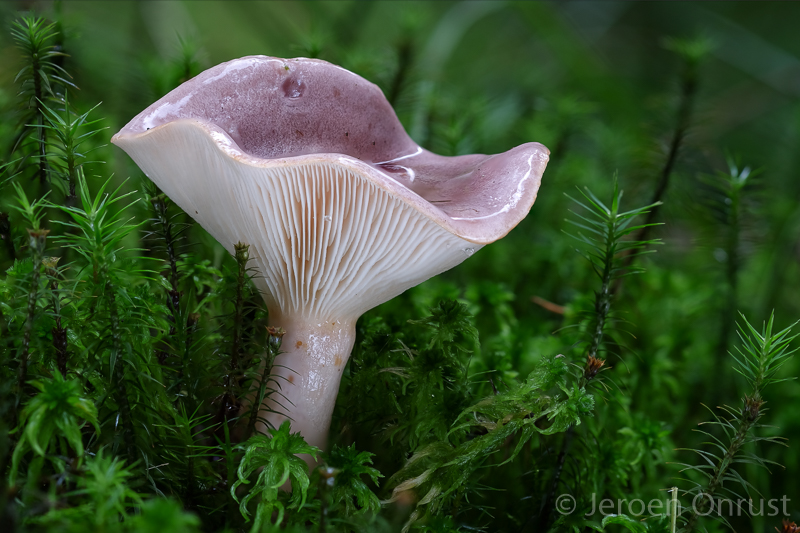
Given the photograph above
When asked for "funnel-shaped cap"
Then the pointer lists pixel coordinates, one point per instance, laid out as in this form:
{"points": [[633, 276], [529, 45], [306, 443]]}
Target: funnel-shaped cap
{"points": [[308, 164]]}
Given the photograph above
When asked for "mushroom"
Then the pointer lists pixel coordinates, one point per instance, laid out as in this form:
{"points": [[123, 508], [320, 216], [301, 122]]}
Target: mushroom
{"points": [[307, 163]]}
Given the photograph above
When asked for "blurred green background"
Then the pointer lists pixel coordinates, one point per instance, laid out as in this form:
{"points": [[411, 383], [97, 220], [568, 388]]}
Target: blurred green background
{"points": [[600, 84]]}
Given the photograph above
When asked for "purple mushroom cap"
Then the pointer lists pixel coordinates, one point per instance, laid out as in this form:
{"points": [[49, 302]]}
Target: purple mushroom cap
{"points": [[272, 108]]}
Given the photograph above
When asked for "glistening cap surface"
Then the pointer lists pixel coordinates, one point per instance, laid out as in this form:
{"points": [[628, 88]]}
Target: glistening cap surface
{"points": [[308, 164]]}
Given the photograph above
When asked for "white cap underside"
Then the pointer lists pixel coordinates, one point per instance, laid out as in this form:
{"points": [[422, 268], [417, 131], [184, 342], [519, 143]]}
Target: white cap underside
{"points": [[328, 242]]}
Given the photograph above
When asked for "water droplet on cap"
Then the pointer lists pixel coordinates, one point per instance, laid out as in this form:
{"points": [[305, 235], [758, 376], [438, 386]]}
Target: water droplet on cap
{"points": [[293, 87]]}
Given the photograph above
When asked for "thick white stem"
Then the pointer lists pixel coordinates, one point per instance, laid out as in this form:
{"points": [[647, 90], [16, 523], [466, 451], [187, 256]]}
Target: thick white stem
{"points": [[308, 372]]}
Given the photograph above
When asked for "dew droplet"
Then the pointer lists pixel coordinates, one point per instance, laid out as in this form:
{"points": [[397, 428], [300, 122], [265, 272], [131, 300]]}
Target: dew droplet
{"points": [[293, 87], [388, 167], [397, 169], [469, 251]]}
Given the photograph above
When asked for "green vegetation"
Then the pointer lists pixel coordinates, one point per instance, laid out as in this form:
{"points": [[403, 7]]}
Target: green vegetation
{"points": [[516, 392]]}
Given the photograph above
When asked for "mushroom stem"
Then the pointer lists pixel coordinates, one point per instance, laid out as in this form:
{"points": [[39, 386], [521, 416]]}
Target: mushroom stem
{"points": [[308, 371]]}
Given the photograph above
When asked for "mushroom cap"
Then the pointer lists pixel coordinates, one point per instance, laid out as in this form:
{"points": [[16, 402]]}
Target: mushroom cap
{"points": [[307, 163]]}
